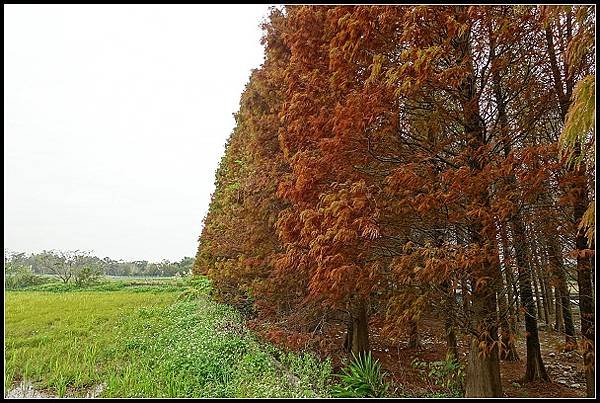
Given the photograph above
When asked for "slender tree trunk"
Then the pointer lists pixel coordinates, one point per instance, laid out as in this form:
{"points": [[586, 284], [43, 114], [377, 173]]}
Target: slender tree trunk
{"points": [[536, 292], [549, 298], [535, 369], [508, 350], [518, 301], [464, 293], [449, 323], [562, 294], [514, 299], [559, 324], [545, 301], [464, 287], [510, 294], [544, 269], [539, 274]]}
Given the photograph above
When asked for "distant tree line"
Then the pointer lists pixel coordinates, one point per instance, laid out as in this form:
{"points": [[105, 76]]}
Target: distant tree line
{"points": [[81, 266]]}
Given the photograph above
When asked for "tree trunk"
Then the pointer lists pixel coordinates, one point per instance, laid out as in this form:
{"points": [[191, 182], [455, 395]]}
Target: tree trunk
{"points": [[451, 345], [535, 366], [559, 324], [513, 292], [508, 350], [584, 281], [538, 273], [482, 378], [348, 338], [586, 296], [358, 338], [562, 294], [464, 294], [413, 334], [545, 301], [483, 365], [515, 302], [536, 292], [483, 368], [543, 269], [549, 298]]}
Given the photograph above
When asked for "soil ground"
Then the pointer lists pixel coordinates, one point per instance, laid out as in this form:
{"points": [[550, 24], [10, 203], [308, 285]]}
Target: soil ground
{"points": [[564, 368]]}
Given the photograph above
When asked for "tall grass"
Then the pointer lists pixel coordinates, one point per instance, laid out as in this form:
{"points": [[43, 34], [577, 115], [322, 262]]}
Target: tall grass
{"points": [[66, 338], [147, 344]]}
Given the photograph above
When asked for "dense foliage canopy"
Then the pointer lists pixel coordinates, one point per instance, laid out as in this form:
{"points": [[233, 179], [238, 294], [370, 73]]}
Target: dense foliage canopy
{"points": [[388, 159]]}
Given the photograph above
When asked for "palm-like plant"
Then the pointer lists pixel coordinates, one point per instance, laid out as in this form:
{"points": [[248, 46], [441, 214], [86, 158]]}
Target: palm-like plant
{"points": [[361, 378]]}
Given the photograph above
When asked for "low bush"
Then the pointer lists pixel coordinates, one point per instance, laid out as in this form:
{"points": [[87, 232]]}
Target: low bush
{"points": [[86, 276]]}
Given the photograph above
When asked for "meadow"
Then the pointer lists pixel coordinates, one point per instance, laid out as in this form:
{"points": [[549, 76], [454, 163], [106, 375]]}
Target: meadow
{"points": [[146, 338]]}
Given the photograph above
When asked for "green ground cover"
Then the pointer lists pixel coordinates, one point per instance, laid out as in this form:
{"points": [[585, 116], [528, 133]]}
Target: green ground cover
{"points": [[140, 340]]}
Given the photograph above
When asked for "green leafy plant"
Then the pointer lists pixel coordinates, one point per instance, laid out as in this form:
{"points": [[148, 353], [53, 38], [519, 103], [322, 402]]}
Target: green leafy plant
{"points": [[448, 373], [362, 378], [86, 276]]}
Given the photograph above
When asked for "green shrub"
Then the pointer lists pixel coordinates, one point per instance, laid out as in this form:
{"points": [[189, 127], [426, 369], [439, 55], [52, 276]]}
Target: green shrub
{"points": [[86, 276], [448, 373], [22, 277], [362, 378]]}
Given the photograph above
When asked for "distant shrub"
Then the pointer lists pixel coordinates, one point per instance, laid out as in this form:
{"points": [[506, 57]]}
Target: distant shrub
{"points": [[110, 285], [86, 276], [362, 378], [22, 277]]}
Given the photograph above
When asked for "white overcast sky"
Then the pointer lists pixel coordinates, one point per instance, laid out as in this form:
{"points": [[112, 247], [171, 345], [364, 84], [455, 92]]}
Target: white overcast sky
{"points": [[115, 119]]}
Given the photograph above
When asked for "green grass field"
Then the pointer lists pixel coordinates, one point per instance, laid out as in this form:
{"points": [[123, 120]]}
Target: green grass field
{"points": [[140, 340]]}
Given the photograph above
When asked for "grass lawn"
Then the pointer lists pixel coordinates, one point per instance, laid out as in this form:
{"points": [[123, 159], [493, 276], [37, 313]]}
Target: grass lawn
{"points": [[146, 342]]}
